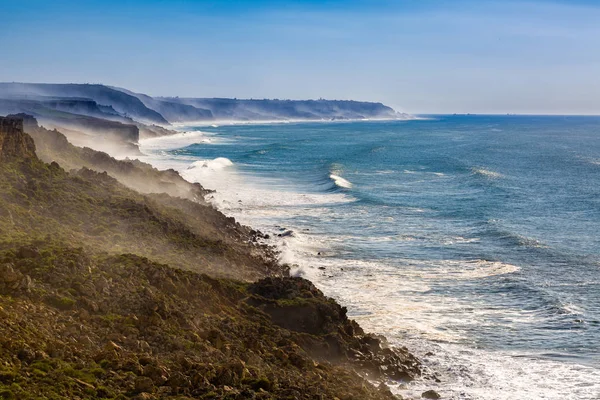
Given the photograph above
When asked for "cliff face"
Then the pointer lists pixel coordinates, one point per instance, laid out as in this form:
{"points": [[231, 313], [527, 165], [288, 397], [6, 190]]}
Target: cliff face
{"points": [[83, 107], [52, 145], [13, 142], [104, 95], [261, 110], [123, 105], [173, 111], [102, 132]]}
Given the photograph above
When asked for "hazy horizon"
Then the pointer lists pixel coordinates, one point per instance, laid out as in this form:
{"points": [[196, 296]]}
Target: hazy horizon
{"points": [[487, 57]]}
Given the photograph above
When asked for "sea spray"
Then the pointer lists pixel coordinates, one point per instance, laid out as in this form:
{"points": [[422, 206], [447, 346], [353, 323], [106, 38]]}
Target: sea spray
{"points": [[477, 255]]}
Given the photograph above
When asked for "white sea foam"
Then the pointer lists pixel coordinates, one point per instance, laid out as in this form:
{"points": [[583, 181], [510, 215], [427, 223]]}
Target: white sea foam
{"points": [[410, 313], [175, 141], [225, 122], [404, 299], [458, 240], [248, 199], [487, 173], [477, 374], [341, 182], [592, 161], [214, 165]]}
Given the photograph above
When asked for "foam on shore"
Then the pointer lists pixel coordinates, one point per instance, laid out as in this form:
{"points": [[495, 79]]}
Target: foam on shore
{"points": [[406, 300]]}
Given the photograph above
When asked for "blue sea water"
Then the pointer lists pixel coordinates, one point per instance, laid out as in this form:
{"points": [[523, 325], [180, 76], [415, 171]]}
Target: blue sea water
{"points": [[472, 240]]}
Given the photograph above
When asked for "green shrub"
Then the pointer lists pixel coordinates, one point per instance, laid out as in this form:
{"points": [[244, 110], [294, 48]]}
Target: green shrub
{"points": [[61, 302]]}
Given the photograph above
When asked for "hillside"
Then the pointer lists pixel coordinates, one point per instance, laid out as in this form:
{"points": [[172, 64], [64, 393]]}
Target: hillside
{"points": [[125, 106], [52, 145], [121, 102], [109, 293], [173, 111], [92, 127], [274, 110]]}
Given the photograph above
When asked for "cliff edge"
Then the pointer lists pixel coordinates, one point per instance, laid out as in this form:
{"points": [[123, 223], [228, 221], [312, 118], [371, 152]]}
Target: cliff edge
{"points": [[14, 143]]}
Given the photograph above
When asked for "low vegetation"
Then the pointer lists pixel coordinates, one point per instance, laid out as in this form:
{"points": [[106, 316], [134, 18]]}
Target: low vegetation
{"points": [[106, 293]]}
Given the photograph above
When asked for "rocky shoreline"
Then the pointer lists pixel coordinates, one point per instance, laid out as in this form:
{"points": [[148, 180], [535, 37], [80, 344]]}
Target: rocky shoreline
{"points": [[114, 289]]}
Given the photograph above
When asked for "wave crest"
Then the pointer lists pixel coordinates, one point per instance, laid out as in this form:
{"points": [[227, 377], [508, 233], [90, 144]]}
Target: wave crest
{"points": [[487, 173], [340, 182], [176, 141], [215, 165]]}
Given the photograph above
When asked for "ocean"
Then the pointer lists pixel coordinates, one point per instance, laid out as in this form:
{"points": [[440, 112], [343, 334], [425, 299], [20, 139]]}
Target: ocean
{"points": [[472, 240]]}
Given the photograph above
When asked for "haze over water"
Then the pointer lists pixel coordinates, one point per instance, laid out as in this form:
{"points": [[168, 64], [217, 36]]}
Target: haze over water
{"points": [[470, 239]]}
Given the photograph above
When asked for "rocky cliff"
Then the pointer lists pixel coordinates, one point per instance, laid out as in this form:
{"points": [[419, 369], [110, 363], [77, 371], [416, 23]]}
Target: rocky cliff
{"points": [[268, 110], [103, 102], [122, 102], [53, 145], [13, 142], [102, 132], [109, 293]]}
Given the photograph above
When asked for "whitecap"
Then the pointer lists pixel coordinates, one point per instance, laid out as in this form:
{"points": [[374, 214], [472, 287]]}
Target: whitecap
{"points": [[216, 164], [340, 182], [487, 173], [172, 142]]}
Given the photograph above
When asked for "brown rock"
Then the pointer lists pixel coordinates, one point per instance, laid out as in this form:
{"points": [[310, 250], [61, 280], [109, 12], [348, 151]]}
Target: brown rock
{"points": [[144, 396], [157, 373], [144, 384], [8, 274], [13, 141], [178, 380], [431, 394]]}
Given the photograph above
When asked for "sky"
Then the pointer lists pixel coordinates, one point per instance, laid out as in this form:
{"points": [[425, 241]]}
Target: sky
{"points": [[418, 56]]}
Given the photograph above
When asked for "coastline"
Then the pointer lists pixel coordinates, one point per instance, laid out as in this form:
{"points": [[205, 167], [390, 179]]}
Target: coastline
{"points": [[463, 367], [216, 123], [165, 297], [380, 296], [273, 237]]}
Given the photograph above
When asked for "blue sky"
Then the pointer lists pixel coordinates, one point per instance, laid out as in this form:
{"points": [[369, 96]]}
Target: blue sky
{"points": [[418, 56]]}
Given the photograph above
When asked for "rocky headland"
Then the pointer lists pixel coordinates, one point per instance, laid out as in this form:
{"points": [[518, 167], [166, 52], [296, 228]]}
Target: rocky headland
{"points": [[112, 289], [113, 120], [49, 102]]}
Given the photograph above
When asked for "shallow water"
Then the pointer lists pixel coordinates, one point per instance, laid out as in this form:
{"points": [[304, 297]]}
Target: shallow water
{"points": [[470, 237]]}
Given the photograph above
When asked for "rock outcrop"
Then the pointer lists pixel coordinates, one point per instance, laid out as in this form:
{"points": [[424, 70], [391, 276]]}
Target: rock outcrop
{"points": [[13, 142], [326, 332]]}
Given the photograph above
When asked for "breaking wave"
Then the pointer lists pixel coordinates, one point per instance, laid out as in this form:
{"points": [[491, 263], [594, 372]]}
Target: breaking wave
{"points": [[176, 141], [464, 288], [340, 182], [487, 173]]}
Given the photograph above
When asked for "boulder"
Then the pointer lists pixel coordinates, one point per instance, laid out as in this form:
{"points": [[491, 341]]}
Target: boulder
{"points": [[144, 384], [8, 275], [431, 394]]}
